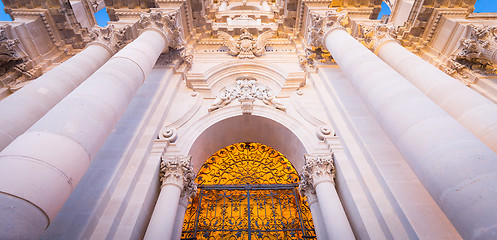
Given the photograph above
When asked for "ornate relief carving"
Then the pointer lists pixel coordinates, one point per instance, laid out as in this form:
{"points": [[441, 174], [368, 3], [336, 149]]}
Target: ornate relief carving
{"points": [[479, 51], [165, 23], [324, 131], [177, 171], [373, 36], [307, 189], [318, 169], [113, 38], [15, 70], [246, 91], [170, 134], [320, 25], [247, 46]]}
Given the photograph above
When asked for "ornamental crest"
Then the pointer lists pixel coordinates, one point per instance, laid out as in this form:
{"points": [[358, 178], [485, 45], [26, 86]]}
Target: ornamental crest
{"points": [[247, 46], [246, 91]]}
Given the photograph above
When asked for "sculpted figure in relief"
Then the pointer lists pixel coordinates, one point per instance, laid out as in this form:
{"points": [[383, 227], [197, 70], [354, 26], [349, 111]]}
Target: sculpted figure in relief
{"points": [[247, 46]]}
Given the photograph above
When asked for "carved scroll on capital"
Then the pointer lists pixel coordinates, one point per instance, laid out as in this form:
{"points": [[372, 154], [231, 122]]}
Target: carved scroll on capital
{"points": [[114, 39], [307, 189], [318, 169], [372, 36], [177, 171], [164, 23], [320, 25]]}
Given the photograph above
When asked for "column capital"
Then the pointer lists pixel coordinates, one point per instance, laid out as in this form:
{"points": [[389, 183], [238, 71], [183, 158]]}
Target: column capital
{"points": [[479, 48], [307, 189], [317, 169], [165, 24], [110, 37], [177, 171], [376, 35], [320, 26]]}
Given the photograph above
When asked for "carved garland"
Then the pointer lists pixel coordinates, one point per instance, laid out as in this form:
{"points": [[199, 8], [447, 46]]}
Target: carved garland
{"points": [[246, 91]]}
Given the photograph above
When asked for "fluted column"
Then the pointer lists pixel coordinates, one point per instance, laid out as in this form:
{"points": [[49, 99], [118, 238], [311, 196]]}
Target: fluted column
{"points": [[318, 173], [39, 170], [306, 189], [189, 191], [177, 180], [472, 110], [22, 109], [456, 168]]}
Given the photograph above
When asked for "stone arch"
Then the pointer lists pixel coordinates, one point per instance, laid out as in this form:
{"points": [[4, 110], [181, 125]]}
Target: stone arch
{"points": [[267, 126]]}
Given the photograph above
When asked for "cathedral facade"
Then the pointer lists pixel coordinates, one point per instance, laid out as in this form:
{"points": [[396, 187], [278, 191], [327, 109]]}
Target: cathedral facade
{"points": [[248, 119]]}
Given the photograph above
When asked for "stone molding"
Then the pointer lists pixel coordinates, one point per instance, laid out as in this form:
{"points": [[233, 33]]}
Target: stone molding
{"points": [[246, 90], [109, 37], [165, 24], [318, 169], [177, 171]]}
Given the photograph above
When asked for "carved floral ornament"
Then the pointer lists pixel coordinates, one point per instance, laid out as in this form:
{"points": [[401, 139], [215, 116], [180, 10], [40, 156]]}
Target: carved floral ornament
{"points": [[109, 36], [164, 23], [246, 90], [479, 51], [178, 171], [247, 46], [317, 169], [372, 36]]}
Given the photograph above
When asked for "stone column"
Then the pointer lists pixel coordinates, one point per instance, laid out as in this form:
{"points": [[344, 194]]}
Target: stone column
{"points": [[39, 170], [22, 109], [189, 191], [306, 189], [177, 180], [454, 166], [318, 173], [472, 110]]}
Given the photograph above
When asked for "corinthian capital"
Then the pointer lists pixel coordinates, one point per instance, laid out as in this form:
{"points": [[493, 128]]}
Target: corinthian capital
{"points": [[110, 37], [164, 23], [373, 36], [318, 169], [177, 171], [480, 47], [319, 25]]}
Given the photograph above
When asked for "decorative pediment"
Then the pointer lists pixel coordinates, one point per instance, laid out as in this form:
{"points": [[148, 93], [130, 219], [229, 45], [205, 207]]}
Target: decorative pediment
{"points": [[246, 90]]}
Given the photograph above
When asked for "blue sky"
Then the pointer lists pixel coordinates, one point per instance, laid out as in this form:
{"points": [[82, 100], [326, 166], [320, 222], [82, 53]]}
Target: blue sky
{"points": [[102, 17]]}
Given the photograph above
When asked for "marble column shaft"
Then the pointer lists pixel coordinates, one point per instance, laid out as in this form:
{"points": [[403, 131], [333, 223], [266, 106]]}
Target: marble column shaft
{"points": [[19, 111], [454, 166], [177, 180], [317, 217], [180, 218], [472, 110], [318, 175], [41, 167]]}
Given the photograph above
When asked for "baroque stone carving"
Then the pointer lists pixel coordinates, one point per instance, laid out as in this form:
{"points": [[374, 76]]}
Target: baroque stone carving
{"points": [[246, 91], [320, 25], [479, 51], [170, 134], [373, 36], [247, 46], [15, 70], [307, 189], [323, 131], [318, 169], [177, 171], [113, 38], [165, 23]]}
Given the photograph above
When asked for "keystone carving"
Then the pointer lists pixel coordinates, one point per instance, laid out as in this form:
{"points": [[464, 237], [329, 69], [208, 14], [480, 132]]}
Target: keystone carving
{"points": [[177, 171], [318, 169], [479, 51], [246, 91], [165, 23], [113, 38], [247, 46]]}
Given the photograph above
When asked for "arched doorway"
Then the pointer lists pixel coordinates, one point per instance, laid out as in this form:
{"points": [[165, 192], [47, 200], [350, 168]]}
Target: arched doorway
{"points": [[248, 191]]}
